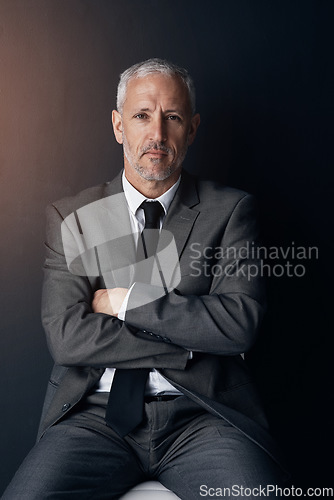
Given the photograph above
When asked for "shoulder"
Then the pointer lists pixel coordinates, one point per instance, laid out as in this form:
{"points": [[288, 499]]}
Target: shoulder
{"points": [[217, 191], [215, 194], [57, 212], [65, 206], [69, 204]]}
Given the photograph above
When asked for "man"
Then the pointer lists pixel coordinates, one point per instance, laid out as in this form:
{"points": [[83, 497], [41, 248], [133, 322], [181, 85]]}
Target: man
{"points": [[176, 331]]}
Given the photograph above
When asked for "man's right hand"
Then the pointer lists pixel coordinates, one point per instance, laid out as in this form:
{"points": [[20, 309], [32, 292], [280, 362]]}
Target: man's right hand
{"points": [[109, 301]]}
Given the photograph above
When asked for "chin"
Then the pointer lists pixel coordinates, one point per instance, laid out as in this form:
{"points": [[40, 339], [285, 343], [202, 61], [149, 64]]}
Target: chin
{"points": [[150, 174]]}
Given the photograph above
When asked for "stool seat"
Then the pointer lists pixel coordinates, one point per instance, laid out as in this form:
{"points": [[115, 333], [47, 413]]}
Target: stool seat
{"points": [[149, 490]]}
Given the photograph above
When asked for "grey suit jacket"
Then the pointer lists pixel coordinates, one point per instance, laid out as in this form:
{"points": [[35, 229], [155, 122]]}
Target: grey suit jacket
{"points": [[215, 310]]}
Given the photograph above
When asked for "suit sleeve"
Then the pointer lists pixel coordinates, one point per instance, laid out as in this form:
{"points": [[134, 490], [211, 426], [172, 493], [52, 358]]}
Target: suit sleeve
{"points": [[225, 319], [76, 335]]}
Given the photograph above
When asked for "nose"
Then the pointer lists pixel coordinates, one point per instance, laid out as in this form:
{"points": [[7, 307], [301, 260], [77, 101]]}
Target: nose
{"points": [[158, 130]]}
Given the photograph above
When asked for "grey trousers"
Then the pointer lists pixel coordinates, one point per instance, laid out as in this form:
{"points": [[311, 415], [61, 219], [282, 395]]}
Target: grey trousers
{"points": [[190, 451]]}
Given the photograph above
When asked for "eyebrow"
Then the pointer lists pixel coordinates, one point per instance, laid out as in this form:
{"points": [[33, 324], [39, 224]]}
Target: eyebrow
{"points": [[174, 111], [166, 111]]}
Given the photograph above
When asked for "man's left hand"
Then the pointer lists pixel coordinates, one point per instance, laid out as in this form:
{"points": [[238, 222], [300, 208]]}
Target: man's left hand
{"points": [[109, 301]]}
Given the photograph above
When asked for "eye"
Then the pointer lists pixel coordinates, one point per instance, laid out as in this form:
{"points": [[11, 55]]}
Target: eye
{"points": [[174, 118], [141, 116]]}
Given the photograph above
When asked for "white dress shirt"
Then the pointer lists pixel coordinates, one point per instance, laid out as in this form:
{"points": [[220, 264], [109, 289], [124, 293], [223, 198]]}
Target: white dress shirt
{"points": [[156, 384]]}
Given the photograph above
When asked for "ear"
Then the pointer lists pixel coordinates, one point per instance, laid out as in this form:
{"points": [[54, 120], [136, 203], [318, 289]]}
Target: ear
{"points": [[194, 124], [117, 126]]}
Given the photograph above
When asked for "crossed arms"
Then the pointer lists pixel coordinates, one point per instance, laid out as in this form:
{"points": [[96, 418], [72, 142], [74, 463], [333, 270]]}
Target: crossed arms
{"points": [[81, 321]]}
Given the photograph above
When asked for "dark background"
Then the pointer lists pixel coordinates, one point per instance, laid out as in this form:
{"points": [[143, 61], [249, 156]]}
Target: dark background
{"points": [[264, 75]]}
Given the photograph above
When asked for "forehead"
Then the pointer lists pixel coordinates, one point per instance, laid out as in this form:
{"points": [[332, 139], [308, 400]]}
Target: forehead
{"points": [[157, 89]]}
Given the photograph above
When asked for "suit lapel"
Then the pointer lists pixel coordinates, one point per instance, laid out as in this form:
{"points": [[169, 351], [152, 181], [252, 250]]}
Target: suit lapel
{"points": [[106, 230], [104, 235], [179, 221], [181, 215]]}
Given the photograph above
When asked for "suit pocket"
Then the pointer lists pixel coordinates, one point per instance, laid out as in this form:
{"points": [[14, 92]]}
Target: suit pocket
{"points": [[57, 374]]}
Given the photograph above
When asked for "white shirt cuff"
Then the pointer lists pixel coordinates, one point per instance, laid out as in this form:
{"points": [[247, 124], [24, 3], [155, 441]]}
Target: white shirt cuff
{"points": [[122, 310]]}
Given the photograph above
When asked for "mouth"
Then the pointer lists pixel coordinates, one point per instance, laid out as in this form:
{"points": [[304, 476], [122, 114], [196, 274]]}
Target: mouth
{"points": [[156, 153]]}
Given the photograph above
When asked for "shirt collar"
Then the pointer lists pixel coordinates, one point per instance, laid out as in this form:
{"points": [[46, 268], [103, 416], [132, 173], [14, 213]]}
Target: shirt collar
{"points": [[134, 198]]}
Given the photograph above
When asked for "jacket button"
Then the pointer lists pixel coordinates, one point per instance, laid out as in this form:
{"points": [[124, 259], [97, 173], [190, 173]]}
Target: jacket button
{"points": [[65, 407]]}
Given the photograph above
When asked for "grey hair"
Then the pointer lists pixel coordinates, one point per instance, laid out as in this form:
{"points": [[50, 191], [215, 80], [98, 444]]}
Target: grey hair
{"points": [[148, 67]]}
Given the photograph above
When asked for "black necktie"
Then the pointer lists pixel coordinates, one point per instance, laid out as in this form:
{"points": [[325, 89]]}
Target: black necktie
{"points": [[126, 399]]}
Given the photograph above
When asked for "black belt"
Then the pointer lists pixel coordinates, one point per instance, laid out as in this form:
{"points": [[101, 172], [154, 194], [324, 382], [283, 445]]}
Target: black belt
{"points": [[167, 397]]}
